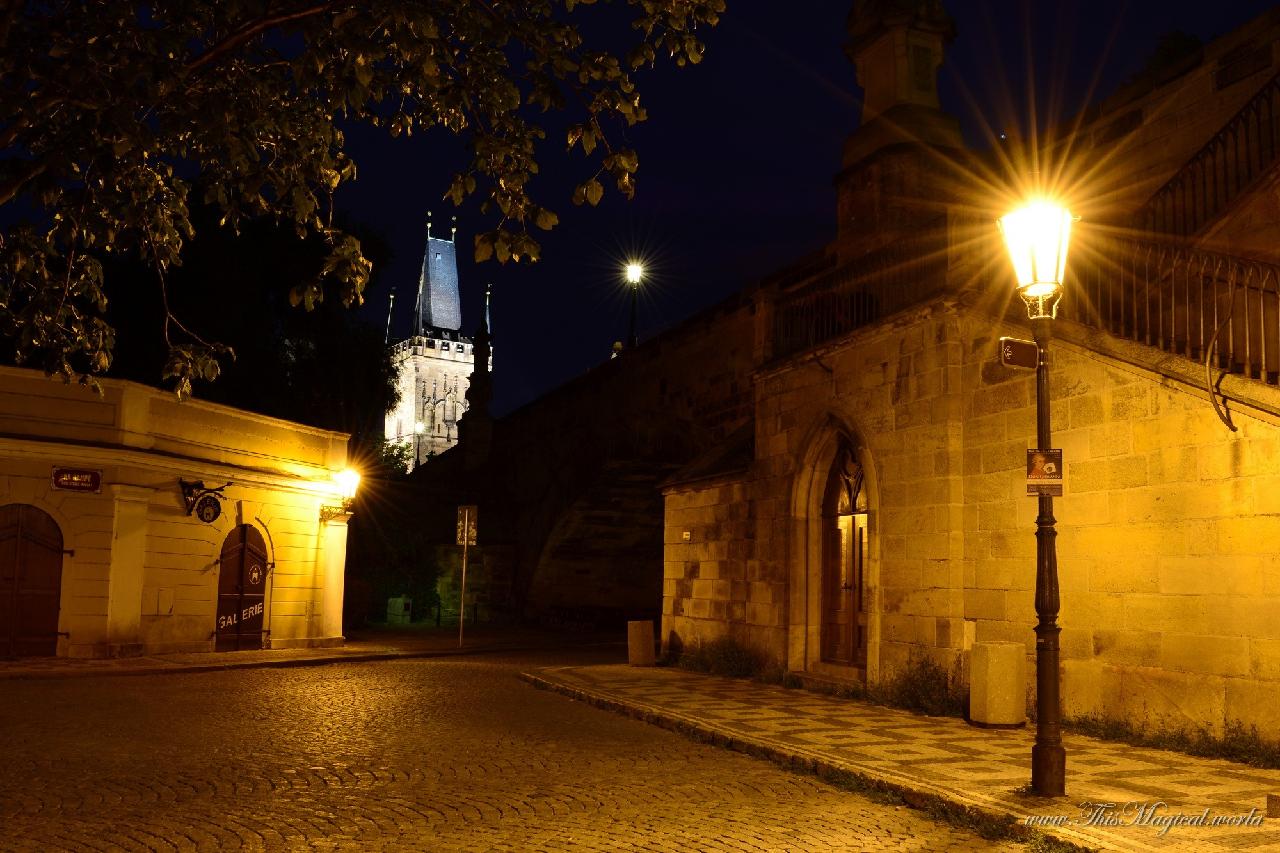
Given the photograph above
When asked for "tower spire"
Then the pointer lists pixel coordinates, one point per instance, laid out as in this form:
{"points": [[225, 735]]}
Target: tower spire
{"points": [[439, 305], [488, 291], [386, 339]]}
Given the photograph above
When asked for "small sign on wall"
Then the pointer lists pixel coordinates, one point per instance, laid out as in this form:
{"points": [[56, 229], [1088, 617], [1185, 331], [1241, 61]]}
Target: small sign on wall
{"points": [[77, 480], [1044, 472], [1015, 352]]}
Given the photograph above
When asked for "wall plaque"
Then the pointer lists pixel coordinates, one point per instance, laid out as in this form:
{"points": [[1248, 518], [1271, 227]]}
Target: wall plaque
{"points": [[77, 480]]}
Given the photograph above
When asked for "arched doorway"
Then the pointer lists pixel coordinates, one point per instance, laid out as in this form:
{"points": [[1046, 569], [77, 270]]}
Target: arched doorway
{"points": [[843, 633], [242, 588], [30, 581]]}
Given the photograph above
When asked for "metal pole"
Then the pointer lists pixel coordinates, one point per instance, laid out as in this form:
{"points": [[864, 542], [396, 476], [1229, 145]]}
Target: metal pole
{"points": [[1048, 757], [632, 340], [462, 594]]}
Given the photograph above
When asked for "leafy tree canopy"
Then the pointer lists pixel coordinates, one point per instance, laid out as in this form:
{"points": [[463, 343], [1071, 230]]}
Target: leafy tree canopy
{"points": [[325, 367], [116, 117]]}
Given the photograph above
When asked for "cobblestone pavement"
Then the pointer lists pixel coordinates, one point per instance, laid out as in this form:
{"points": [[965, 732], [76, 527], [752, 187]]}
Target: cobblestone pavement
{"points": [[1110, 786], [431, 755]]}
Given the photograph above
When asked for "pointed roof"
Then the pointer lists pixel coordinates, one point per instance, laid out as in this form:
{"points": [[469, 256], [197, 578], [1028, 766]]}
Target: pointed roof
{"points": [[439, 306]]}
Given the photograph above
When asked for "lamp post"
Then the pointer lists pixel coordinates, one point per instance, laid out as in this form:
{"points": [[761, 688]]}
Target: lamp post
{"points": [[418, 429], [1037, 236], [635, 272]]}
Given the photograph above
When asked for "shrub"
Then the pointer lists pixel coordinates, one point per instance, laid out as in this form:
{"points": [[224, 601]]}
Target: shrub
{"points": [[724, 656], [926, 687]]}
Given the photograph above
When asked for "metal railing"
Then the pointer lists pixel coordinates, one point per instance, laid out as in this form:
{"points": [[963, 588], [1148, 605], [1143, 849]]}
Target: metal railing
{"points": [[1236, 155], [857, 294], [1218, 309], [1214, 308]]}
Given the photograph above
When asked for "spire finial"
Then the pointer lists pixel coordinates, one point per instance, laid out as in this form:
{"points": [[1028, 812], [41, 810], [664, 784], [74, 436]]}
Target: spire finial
{"points": [[428, 225], [453, 233], [390, 305], [488, 292]]}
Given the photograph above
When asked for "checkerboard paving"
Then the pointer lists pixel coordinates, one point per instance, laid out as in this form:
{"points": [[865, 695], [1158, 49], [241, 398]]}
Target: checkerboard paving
{"points": [[984, 768]]}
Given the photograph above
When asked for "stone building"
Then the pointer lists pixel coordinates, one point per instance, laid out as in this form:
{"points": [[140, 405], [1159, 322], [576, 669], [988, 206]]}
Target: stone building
{"points": [[874, 509], [133, 523], [434, 363]]}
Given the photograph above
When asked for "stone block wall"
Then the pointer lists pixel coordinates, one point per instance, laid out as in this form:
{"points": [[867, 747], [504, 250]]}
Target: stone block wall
{"points": [[584, 525], [1168, 545], [712, 585], [1169, 532]]}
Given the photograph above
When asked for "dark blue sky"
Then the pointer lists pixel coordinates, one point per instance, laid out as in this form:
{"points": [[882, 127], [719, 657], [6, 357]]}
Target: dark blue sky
{"points": [[736, 166]]}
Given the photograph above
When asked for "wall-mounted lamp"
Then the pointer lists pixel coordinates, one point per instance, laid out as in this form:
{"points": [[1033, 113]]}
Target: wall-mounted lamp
{"points": [[345, 482]]}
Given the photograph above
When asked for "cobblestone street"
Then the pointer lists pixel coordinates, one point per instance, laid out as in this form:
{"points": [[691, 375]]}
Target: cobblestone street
{"points": [[426, 755]]}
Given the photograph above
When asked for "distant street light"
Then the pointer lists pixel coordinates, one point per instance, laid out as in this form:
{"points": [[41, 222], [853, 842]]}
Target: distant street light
{"points": [[635, 272], [418, 429], [1037, 236]]}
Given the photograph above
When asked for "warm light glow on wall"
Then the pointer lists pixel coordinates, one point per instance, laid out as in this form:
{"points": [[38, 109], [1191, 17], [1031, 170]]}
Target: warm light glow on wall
{"points": [[1037, 236], [347, 481]]}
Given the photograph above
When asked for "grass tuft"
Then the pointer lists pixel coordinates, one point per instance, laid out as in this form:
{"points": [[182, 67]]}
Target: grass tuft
{"points": [[724, 656], [1239, 743]]}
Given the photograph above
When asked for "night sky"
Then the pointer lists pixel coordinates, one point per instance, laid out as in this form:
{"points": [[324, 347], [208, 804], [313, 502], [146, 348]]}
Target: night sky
{"points": [[736, 166]]}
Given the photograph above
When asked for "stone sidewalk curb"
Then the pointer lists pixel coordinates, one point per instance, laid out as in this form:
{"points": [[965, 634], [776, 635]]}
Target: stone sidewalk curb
{"points": [[108, 669], [918, 794]]}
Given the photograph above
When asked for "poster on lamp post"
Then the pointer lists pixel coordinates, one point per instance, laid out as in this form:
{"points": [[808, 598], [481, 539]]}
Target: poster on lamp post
{"points": [[1044, 472]]}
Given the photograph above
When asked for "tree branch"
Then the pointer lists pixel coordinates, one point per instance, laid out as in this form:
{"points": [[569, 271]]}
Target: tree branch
{"points": [[250, 29], [8, 14], [14, 186]]}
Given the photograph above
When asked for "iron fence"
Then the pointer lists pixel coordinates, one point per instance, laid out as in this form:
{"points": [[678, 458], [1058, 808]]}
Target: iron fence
{"points": [[1236, 155], [857, 294], [1207, 306]]}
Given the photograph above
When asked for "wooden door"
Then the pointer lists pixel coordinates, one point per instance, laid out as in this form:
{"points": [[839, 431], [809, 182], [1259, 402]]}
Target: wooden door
{"points": [[843, 629], [837, 600], [844, 613], [30, 581], [242, 587]]}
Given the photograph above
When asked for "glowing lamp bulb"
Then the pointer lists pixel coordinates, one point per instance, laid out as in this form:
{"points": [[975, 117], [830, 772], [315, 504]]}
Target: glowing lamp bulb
{"points": [[1037, 236], [634, 273], [347, 481]]}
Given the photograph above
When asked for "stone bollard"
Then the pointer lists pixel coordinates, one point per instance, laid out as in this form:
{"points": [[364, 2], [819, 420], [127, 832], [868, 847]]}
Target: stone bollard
{"points": [[640, 643], [998, 685]]}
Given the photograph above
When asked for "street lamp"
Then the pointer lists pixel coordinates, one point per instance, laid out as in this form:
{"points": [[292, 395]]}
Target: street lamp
{"points": [[418, 429], [1037, 235], [635, 272], [345, 484]]}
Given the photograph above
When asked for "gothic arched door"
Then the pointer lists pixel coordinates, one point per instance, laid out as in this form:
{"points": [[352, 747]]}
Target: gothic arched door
{"points": [[844, 549], [30, 581], [242, 588]]}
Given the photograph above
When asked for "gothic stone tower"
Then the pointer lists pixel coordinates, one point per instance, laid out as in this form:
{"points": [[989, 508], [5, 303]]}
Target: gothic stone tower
{"points": [[435, 363], [899, 164]]}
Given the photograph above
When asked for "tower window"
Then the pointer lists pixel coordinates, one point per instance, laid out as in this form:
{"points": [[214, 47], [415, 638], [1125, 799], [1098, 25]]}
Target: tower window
{"points": [[460, 347]]}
